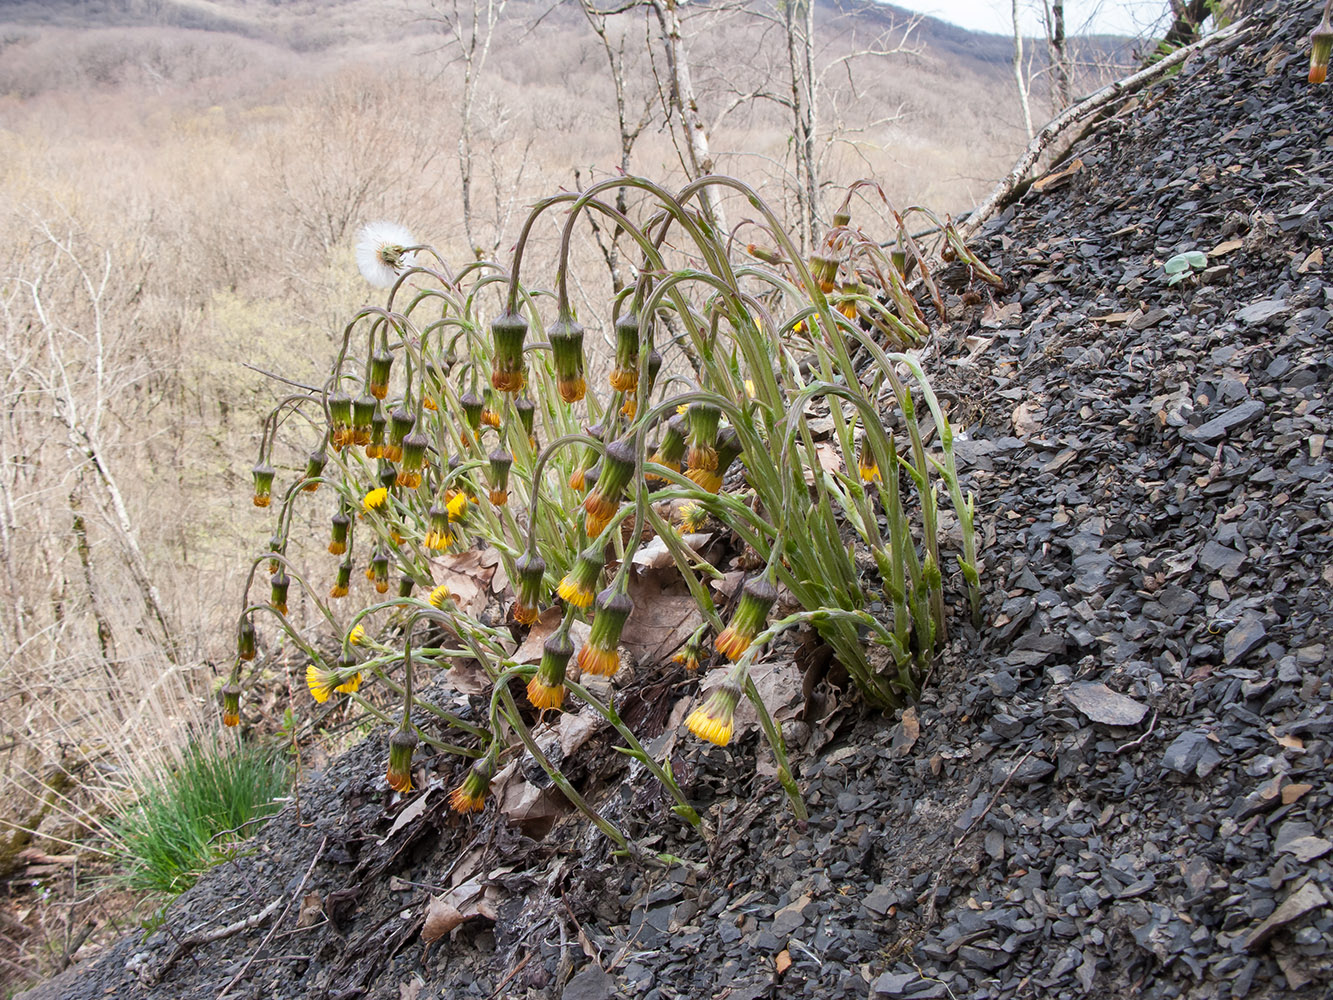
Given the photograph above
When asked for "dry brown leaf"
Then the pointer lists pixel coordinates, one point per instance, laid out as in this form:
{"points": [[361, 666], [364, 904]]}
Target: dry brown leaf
{"points": [[408, 813], [783, 961], [1057, 177], [661, 619], [468, 677], [729, 582], [312, 910], [575, 728], [466, 577], [656, 555], [547, 623], [1115, 319], [441, 917]]}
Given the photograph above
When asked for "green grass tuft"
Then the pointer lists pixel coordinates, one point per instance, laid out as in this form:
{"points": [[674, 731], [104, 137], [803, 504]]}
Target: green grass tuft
{"points": [[189, 818]]}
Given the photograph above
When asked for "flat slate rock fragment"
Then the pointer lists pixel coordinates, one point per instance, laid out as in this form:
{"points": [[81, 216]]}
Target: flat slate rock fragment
{"points": [[1100, 704]]}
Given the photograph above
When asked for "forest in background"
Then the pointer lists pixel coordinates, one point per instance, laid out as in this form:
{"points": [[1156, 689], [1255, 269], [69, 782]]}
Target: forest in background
{"points": [[180, 184]]}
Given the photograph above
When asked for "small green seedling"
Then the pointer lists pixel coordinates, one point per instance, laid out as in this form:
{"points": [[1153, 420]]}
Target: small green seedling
{"points": [[1184, 265]]}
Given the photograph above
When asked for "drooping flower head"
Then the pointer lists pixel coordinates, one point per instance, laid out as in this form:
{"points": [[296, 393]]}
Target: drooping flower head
{"points": [[340, 417], [381, 252], [757, 597], [314, 468], [338, 534], [508, 371], [1321, 46], [439, 596], [473, 405], [375, 499], [671, 449], [714, 720], [401, 422], [343, 581], [625, 375], [547, 687], [278, 591], [470, 795], [414, 460], [566, 337], [363, 416], [323, 681], [529, 568], [401, 745], [728, 448], [378, 570], [527, 411], [381, 365], [263, 475], [231, 704], [603, 500], [245, 640], [439, 537], [378, 426], [703, 421], [579, 585], [406, 584], [866, 464], [600, 655], [500, 463]]}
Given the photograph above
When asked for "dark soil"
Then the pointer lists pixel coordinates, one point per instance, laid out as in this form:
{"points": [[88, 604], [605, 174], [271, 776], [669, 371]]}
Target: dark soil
{"points": [[1120, 785]]}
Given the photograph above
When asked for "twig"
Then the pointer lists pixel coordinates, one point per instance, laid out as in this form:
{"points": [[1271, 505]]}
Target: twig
{"points": [[1112, 92], [262, 944], [944, 865], [511, 974], [208, 937], [1139, 742], [313, 389]]}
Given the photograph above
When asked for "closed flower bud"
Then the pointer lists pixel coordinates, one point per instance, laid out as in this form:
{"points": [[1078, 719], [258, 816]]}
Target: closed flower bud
{"points": [[603, 500], [527, 411], [566, 337], [400, 425], [703, 421], [401, 745], [338, 533], [766, 254], [340, 416], [414, 459], [379, 571], [757, 597], [231, 704], [406, 584], [728, 448], [824, 270], [1321, 45], [866, 465], [363, 414], [275, 546], [600, 655], [470, 795], [529, 569], [343, 582], [263, 475], [653, 366], [314, 468], [245, 640], [378, 424], [500, 463], [671, 449], [508, 372], [625, 374], [472, 407], [277, 598], [547, 687], [381, 363]]}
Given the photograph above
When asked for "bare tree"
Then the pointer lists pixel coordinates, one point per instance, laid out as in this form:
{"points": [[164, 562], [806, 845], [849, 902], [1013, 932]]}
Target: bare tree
{"points": [[1058, 46], [1020, 77], [469, 28]]}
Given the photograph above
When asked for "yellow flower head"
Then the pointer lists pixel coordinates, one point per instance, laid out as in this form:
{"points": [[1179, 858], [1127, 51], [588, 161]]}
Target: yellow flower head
{"points": [[439, 596], [375, 499], [457, 506], [321, 682], [714, 720], [358, 636]]}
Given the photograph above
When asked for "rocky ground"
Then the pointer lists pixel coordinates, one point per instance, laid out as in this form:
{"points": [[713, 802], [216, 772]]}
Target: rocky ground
{"points": [[1120, 784]]}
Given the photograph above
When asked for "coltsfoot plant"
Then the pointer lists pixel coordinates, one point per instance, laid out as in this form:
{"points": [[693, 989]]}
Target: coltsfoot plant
{"points": [[462, 412]]}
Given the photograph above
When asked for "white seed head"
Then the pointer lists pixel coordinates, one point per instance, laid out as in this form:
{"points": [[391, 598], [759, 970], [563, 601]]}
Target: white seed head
{"points": [[380, 252]]}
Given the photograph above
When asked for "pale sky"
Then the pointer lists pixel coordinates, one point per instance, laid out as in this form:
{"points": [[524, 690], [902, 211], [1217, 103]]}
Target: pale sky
{"points": [[1120, 17]]}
